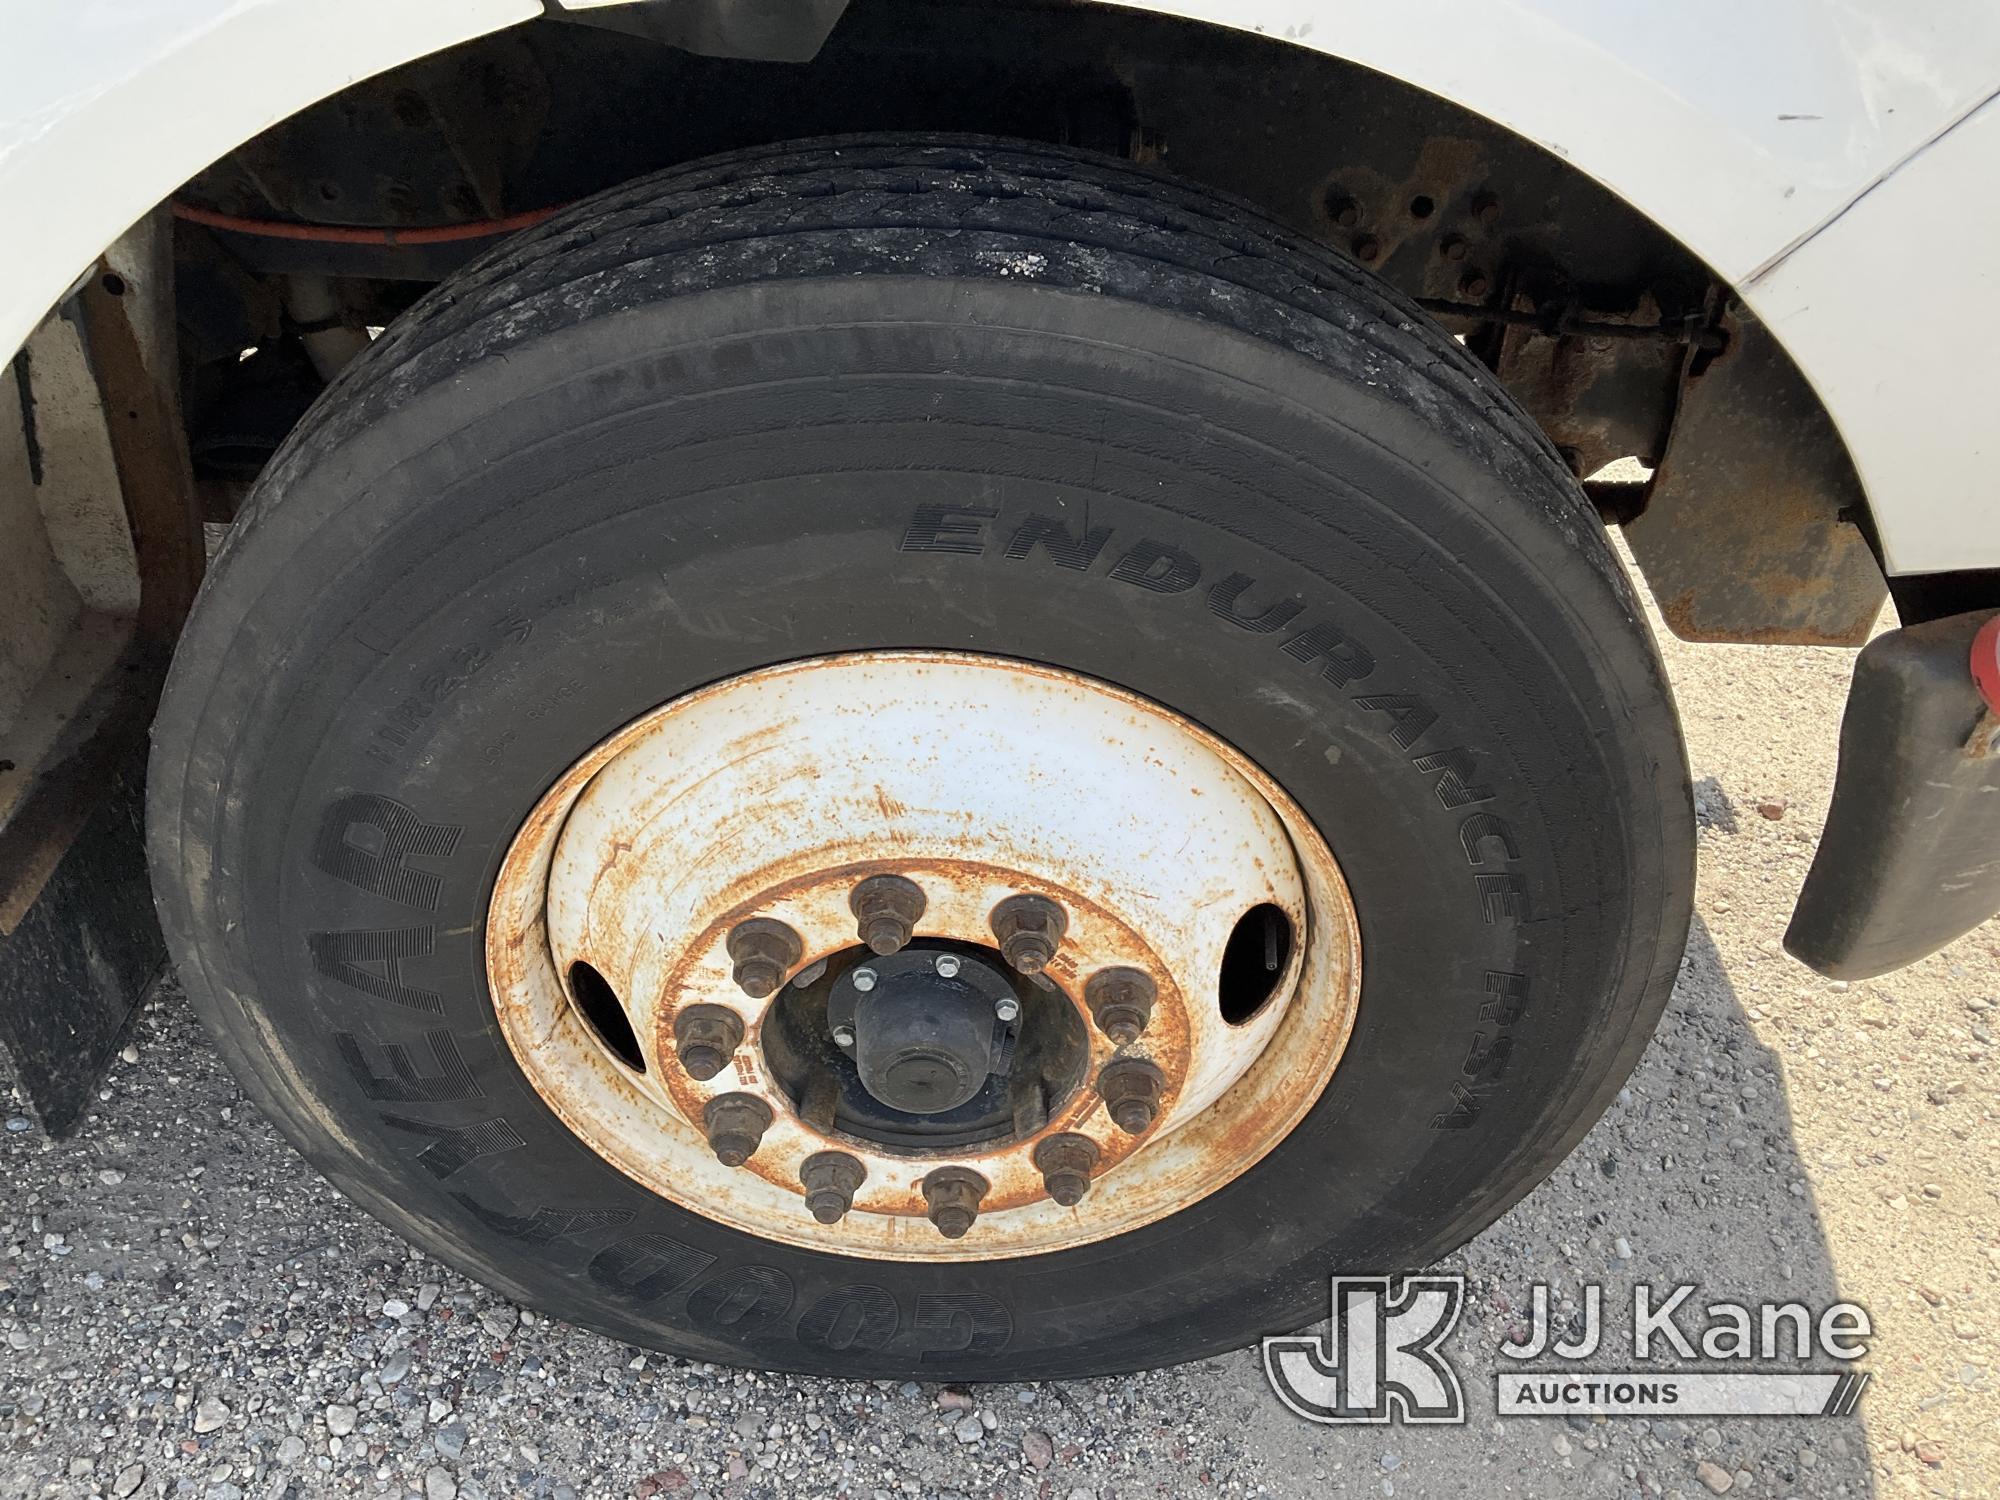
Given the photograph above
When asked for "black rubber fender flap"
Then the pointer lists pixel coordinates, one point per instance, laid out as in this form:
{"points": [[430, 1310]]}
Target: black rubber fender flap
{"points": [[1910, 858]]}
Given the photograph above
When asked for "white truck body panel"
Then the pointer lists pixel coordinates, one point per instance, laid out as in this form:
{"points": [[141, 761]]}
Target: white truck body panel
{"points": [[1799, 148], [107, 106], [1889, 313]]}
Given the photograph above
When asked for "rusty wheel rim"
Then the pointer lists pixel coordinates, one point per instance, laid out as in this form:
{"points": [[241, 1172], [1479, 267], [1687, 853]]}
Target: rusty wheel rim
{"points": [[747, 813]]}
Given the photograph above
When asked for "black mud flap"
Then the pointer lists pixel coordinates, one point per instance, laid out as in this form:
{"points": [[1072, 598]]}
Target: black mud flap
{"points": [[1910, 858], [81, 956]]}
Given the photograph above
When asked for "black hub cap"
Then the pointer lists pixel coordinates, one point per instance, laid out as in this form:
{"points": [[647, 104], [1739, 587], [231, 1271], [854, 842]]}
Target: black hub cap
{"points": [[939, 1044], [928, 1026]]}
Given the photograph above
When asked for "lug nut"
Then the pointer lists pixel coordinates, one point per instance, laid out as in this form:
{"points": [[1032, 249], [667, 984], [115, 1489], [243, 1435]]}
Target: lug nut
{"points": [[1131, 1088], [953, 1195], [705, 1036], [1030, 928], [831, 1179], [886, 909], [736, 1124], [1121, 1002], [1066, 1162], [763, 950]]}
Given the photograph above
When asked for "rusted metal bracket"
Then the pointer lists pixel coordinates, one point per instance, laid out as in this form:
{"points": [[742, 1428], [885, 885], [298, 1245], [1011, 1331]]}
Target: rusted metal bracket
{"points": [[128, 331], [1752, 529], [1565, 321]]}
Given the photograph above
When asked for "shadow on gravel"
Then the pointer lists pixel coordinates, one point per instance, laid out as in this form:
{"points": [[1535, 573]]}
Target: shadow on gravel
{"points": [[1693, 1176], [180, 1293]]}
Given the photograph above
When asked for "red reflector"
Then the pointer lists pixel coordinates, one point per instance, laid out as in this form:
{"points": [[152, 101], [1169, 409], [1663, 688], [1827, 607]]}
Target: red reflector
{"points": [[1986, 663]]}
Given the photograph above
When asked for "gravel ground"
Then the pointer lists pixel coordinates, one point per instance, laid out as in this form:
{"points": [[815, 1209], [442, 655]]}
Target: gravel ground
{"points": [[188, 1311]]}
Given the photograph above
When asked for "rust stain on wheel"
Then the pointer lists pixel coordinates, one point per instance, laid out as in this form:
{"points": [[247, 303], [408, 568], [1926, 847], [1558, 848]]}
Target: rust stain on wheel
{"points": [[1140, 841]]}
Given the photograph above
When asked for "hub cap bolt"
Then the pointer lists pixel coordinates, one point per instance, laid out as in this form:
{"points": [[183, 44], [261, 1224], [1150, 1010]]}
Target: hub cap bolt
{"points": [[843, 1036], [947, 965], [1029, 928], [1121, 1002], [831, 1179], [1066, 1162], [736, 1124], [1006, 1009], [864, 980], [953, 1195], [1130, 1088], [886, 908], [763, 951], [705, 1036]]}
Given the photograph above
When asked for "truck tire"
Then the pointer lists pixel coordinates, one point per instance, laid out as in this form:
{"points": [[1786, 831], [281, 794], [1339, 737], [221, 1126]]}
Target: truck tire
{"points": [[653, 584]]}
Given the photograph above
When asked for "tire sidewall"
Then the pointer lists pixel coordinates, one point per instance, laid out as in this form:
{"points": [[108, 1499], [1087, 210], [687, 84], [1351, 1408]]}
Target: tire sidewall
{"points": [[514, 565]]}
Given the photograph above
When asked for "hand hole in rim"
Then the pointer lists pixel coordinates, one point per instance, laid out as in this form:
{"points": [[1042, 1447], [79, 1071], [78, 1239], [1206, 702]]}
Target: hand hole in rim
{"points": [[1253, 962], [597, 1006]]}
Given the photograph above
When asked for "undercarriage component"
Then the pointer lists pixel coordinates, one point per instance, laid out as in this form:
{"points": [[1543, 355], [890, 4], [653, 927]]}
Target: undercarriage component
{"points": [[1595, 321], [1753, 528], [769, 30]]}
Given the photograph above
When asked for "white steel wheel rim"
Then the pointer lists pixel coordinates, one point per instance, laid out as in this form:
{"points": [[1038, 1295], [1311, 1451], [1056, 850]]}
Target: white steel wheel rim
{"points": [[774, 793]]}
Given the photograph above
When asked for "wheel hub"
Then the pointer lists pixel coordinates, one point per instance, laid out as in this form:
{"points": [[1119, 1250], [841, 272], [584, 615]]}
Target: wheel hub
{"points": [[926, 1028], [892, 990]]}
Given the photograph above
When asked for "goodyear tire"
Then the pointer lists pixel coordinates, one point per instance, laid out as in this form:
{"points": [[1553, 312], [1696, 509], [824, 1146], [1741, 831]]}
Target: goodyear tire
{"points": [[922, 393]]}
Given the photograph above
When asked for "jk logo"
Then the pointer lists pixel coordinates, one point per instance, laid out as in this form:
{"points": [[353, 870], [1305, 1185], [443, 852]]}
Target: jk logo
{"points": [[1380, 1360]]}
